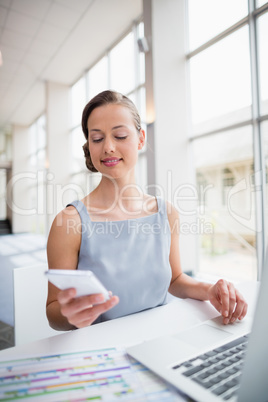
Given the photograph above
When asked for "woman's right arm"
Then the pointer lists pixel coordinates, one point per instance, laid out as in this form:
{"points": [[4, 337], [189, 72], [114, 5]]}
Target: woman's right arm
{"points": [[63, 247], [64, 311]]}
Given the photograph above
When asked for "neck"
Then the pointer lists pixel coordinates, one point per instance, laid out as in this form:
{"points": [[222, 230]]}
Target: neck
{"points": [[118, 193]]}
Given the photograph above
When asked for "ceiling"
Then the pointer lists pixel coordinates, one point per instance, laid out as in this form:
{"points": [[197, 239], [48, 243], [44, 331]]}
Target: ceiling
{"points": [[53, 40]]}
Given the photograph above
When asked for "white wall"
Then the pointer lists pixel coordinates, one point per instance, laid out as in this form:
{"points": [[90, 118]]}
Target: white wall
{"points": [[173, 172], [56, 193], [22, 178], [58, 148]]}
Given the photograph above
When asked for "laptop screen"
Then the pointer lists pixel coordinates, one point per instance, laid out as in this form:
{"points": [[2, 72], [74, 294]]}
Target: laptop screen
{"points": [[254, 383]]}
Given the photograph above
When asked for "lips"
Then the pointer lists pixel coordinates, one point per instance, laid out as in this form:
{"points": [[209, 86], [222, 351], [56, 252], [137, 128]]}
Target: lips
{"points": [[111, 161]]}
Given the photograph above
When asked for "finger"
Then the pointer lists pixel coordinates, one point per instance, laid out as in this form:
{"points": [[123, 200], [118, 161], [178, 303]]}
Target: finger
{"points": [[244, 312], [215, 303], [88, 316], [102, 308], [66, 295], [224, 297], [232, 299], [91, 314], [240, 304], [81, 303], [86, 323], [83, 318]]}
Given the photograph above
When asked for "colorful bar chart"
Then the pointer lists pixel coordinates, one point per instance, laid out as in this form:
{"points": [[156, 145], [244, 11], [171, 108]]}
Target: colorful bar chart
{"points": [[104, 375]]}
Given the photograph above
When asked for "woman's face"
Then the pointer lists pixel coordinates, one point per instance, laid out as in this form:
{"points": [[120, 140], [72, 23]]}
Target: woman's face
{"points": [[113, 140]]}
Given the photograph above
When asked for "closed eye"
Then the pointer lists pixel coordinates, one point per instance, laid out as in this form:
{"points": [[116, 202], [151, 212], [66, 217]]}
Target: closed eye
{"points": [[96, 140]]}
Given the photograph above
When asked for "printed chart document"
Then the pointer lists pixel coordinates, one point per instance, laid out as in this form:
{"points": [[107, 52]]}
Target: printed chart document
{"points": [[104, 375]]}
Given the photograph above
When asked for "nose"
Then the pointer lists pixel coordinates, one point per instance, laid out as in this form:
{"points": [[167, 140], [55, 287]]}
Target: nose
{"points": [[108, 145]]}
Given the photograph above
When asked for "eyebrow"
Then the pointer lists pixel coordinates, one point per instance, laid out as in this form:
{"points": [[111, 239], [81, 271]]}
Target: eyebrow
{"points": [[113, 128], [120, 126]]}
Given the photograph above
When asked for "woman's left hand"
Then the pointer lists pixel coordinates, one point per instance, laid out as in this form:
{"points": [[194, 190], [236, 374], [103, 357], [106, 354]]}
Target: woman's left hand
{"points": [[228, 301]]}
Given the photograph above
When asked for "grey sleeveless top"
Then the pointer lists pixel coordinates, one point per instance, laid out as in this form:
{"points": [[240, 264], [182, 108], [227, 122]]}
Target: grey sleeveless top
{"points": [[130, 257]]}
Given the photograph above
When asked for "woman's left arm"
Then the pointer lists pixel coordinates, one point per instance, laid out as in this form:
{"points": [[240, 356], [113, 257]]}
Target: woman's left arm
{"points": [[222, 295]]}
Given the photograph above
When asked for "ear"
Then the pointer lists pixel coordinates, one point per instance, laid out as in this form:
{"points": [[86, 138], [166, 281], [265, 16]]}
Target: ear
{"points": [[141, 139]]}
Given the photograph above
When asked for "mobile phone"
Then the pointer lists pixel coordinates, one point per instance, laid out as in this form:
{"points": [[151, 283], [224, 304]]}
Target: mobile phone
{"points": [[85, 282]]}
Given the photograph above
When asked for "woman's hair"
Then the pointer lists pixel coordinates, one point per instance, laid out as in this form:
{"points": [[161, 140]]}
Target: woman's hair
{"points": [[102, 99]]}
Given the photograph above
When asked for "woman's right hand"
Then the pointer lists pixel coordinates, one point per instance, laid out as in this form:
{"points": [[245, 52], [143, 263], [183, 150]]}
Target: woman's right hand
{"points": [[83, 311]]}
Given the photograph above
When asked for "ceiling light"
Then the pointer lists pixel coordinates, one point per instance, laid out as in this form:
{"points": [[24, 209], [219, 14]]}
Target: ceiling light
{"points": [[1, 59]]}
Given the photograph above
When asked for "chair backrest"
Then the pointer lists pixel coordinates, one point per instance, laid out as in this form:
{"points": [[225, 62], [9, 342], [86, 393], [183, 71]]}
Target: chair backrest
{"points": [[30, 293]]}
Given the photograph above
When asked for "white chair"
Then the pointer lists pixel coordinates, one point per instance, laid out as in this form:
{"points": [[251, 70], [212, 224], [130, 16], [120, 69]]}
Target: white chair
{"points": [[30, 293]]}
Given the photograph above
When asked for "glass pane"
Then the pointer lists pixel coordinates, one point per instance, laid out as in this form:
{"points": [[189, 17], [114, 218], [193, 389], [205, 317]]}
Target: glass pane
{"points": [[141, 68], [141, 172], [41, 157], [78, 101], [226, 214], [261, 2], [123, 65], [140, 30], [32, 139], [41, 132], [79, 180], [78, 165], [2, 143], [84, 182], [98, 78], [264, 128], [33, 160], [3, 184], [263, 62], [77, 142], [220, 83], [142, 103], [133, 97], [207, 18]]}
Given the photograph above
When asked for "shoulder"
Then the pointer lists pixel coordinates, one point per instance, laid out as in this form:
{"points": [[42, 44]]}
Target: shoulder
{"points": [[67, 218], [66, 226], [64, 240]]}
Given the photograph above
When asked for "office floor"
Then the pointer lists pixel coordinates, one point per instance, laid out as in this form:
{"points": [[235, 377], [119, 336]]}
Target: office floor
{"points": [[6, 336]]}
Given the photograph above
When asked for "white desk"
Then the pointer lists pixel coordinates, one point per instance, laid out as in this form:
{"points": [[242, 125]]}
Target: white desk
{"points": [[173, 317], [113, 373]]}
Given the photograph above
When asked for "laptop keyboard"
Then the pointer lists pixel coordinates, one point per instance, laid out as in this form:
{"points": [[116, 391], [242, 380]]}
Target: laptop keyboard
{"points": [[218, 370]]}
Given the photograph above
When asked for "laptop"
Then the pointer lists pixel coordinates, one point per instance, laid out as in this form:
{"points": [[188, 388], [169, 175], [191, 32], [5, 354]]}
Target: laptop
{"points": [[213, 362]]}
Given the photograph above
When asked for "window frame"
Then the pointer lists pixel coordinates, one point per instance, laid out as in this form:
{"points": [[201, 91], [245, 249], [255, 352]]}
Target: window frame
{"points": [[256, 120]]}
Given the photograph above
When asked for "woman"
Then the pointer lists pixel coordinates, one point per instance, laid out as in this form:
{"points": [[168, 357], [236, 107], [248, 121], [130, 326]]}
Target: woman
{"points": [[129, 239]]}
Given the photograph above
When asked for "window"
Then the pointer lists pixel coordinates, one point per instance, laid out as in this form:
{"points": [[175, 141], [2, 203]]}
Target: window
{"points": [[261, 3], [78, 100], [229, 109], [3, 184], [98, 78], [5, 156], [264, 128], [122, 64], [263, 62], [208, 18], [122, 68], [228, 181], [220, 83]]}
